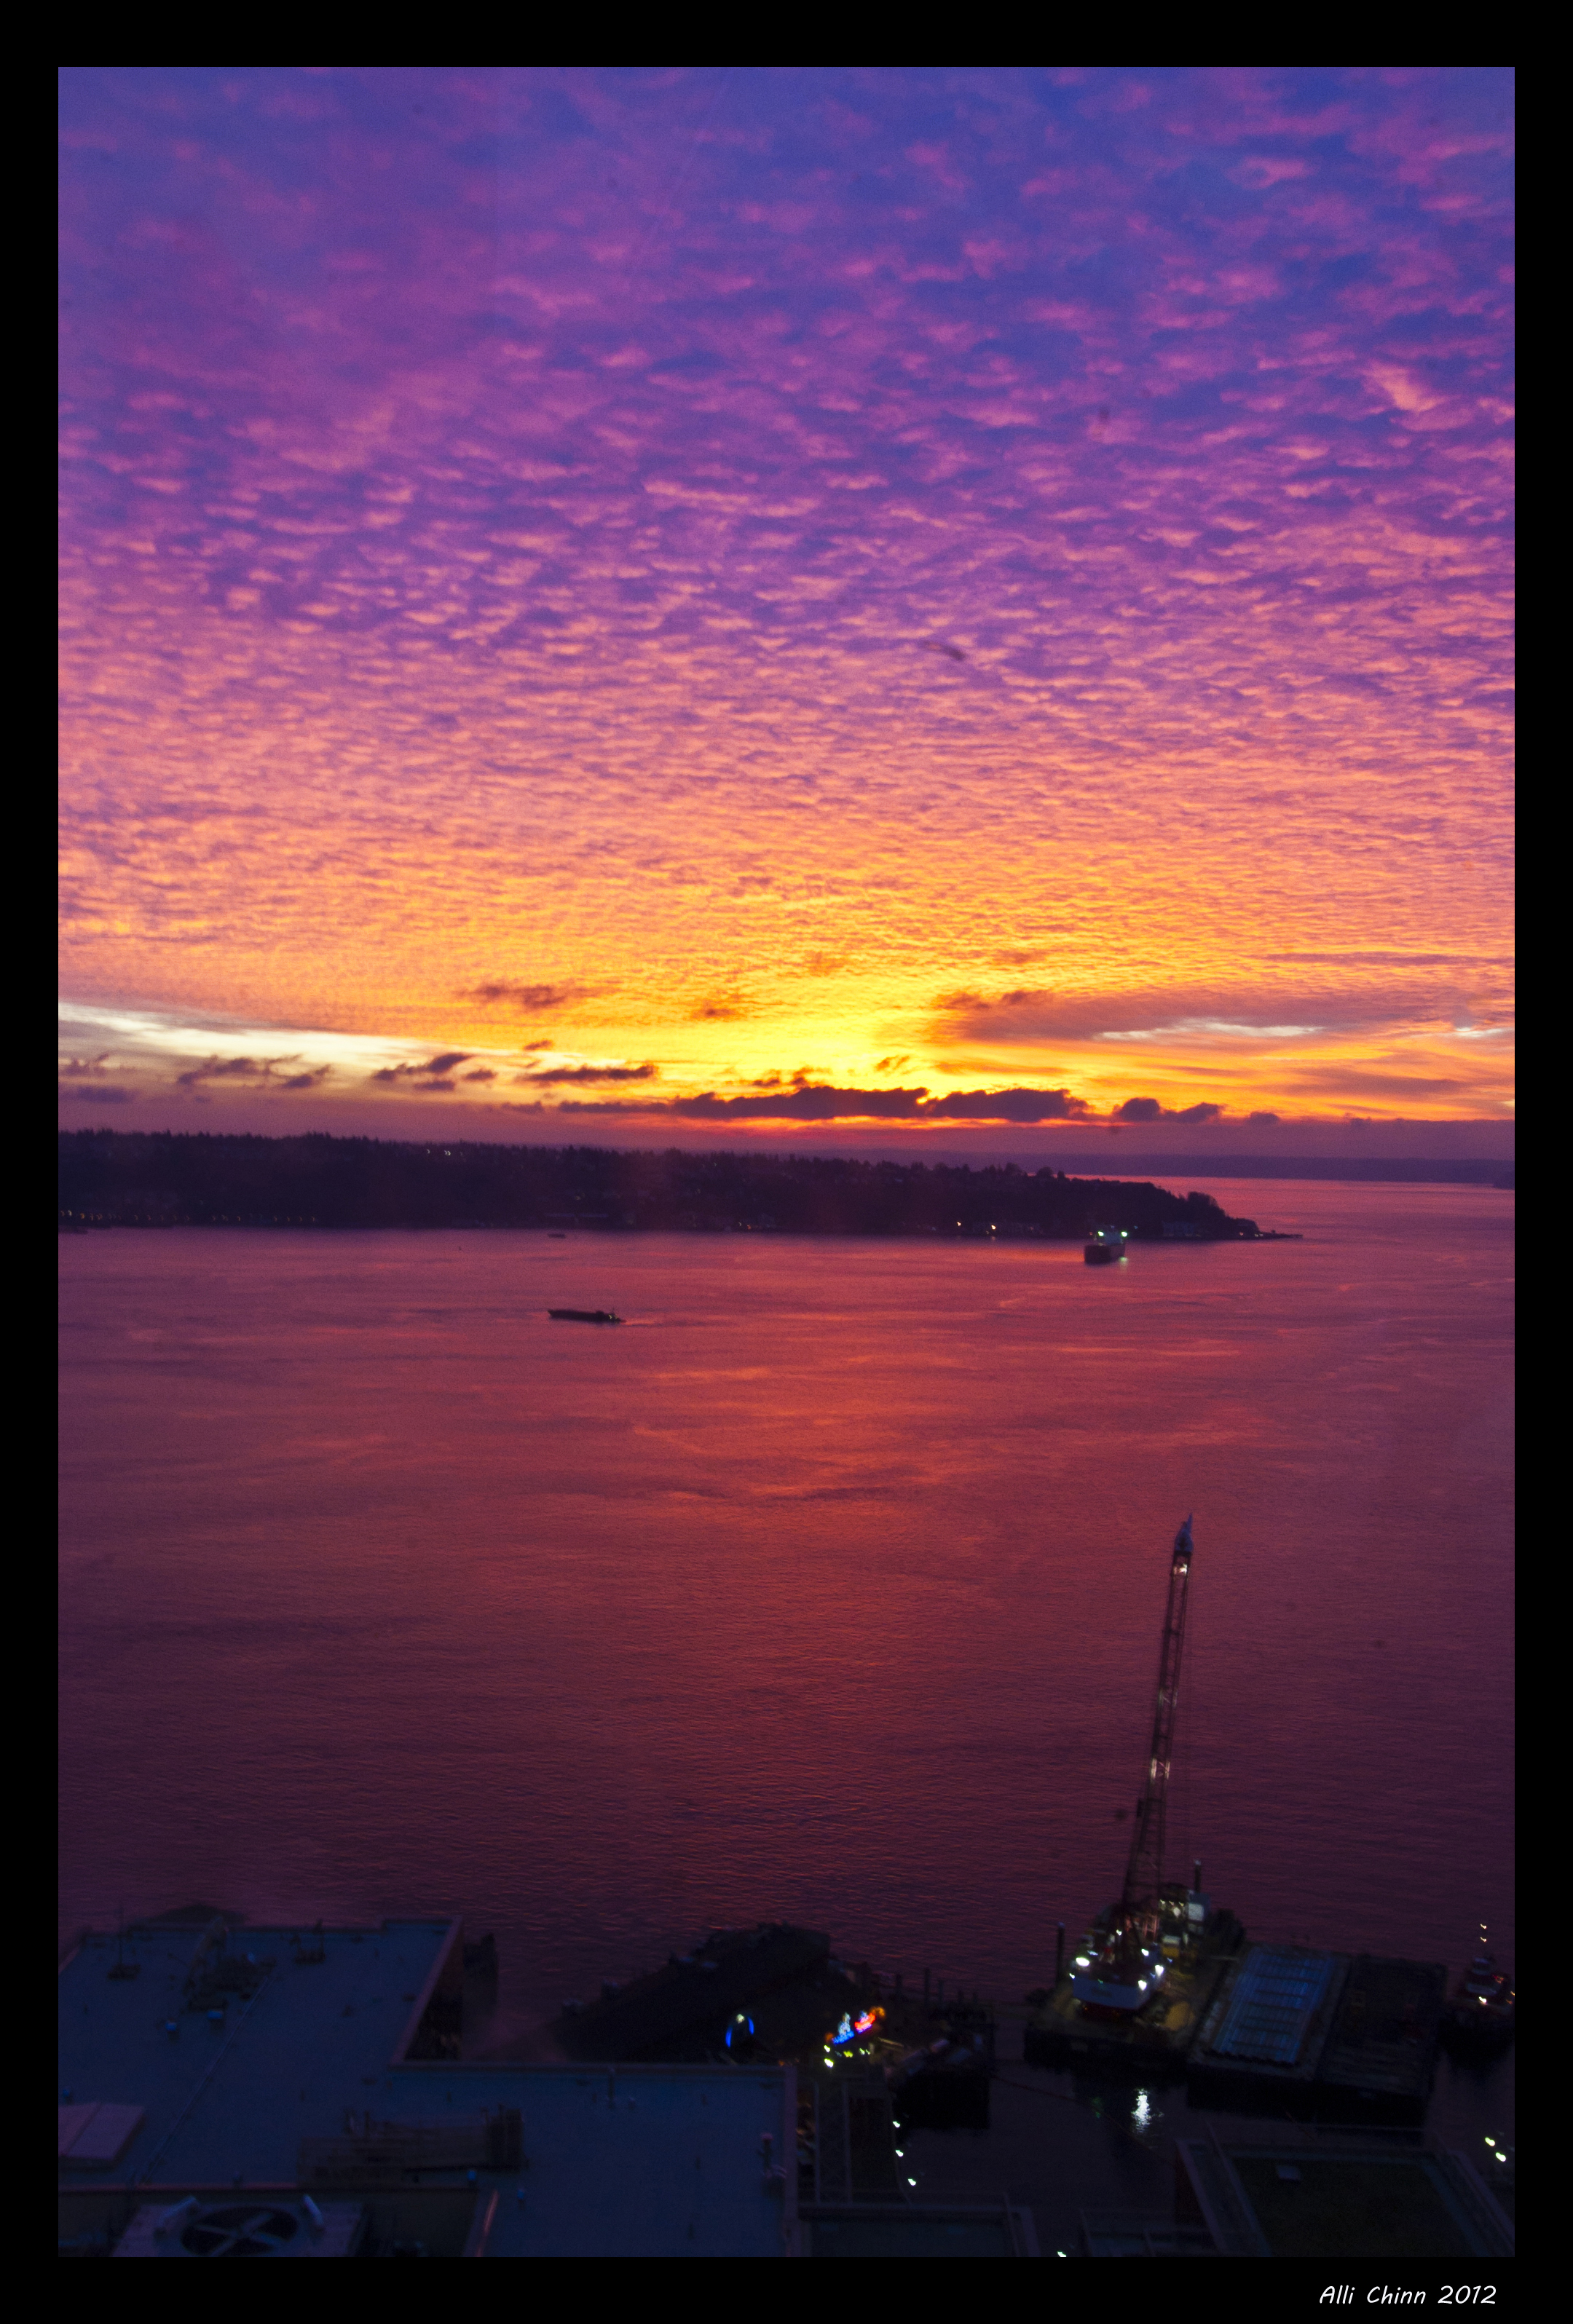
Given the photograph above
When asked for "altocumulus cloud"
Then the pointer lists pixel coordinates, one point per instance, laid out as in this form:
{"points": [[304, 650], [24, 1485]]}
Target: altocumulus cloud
{"points": [[269, 1071], [429, 1079], [1147, 1109], [799, 1101], [538, 999], [589, 1073], [93, 1087], [1113, 586], [1190, 1016]]}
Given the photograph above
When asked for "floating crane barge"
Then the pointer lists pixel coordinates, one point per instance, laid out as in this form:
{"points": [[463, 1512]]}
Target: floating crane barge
{"points": [[1164, 1986], [1148, 1971]]}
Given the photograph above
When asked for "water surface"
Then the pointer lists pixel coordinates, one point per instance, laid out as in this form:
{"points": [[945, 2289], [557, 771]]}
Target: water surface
{"points": [[828, 1588]]}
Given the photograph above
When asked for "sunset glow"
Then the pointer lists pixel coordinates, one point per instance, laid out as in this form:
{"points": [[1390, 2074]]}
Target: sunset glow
{"points": [[608, 603]]}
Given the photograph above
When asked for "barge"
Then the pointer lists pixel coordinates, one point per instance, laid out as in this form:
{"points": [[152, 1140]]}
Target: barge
{"points": [[1152, 2043], [1321, 2037]]}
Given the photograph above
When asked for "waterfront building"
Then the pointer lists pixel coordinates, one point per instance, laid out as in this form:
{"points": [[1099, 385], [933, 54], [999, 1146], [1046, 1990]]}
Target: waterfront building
{"points": [[227, 2090]]}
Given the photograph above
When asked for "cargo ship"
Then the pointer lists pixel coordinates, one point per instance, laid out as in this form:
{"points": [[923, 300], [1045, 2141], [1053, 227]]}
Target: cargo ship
{"points": [[1104, 1245], [583, 1315]]}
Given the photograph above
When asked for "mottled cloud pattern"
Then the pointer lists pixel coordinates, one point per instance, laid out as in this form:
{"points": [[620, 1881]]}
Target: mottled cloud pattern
{"points": [[997, 575]]}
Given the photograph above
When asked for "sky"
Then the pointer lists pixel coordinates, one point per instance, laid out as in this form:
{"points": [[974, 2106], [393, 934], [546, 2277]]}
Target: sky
{"points": [[912, 608]]}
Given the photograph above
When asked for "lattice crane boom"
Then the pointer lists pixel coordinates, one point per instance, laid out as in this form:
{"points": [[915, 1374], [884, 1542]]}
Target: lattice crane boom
{"points": [[1139, 1899]]}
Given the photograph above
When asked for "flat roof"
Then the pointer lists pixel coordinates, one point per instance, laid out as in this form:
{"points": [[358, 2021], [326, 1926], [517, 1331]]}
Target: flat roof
{"points": [[1323, 2193], [233, 2098], [1354, 2207], [632, 2162], [623, 2162], [917, 2231]]}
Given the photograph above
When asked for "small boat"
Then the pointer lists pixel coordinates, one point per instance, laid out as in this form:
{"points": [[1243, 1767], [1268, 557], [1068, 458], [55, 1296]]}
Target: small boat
{"points": [[1482, 2007], [1104, 1245], [557, 1234], [583, 1315]]}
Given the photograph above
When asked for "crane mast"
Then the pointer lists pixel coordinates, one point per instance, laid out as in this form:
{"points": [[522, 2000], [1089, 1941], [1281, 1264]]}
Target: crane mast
{"points": [[1128, 1969], [1139, 1898]]}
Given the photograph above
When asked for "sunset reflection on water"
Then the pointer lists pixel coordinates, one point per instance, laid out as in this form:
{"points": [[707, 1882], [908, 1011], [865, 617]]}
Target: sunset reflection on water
{"points": [[829, 1588]]}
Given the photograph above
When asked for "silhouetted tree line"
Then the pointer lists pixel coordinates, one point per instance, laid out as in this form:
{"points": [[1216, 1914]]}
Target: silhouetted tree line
{"points": [[120, 1178]]}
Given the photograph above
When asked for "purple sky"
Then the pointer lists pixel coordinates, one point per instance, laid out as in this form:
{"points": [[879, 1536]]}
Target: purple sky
{"points": [[675, 590]]}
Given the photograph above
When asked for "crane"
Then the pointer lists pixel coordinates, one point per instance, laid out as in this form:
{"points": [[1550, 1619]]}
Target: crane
{"points": [[1117, 1983], [1144, 1868]]}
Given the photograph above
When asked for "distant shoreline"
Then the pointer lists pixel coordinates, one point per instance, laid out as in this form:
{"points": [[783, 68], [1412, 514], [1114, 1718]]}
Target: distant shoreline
{"points": [[1401, 1172], [167, 1179], [69, 1224]]}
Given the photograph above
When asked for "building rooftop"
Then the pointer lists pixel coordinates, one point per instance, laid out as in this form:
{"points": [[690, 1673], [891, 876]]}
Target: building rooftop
{"points": [[634, 2162], [917, 2231], [229, 2088], [220, 2057], [226, 2089], [1326, 2194]]}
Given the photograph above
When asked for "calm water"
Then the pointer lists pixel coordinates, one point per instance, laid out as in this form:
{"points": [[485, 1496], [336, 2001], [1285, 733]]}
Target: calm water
{"points": [[827, 1589]]}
